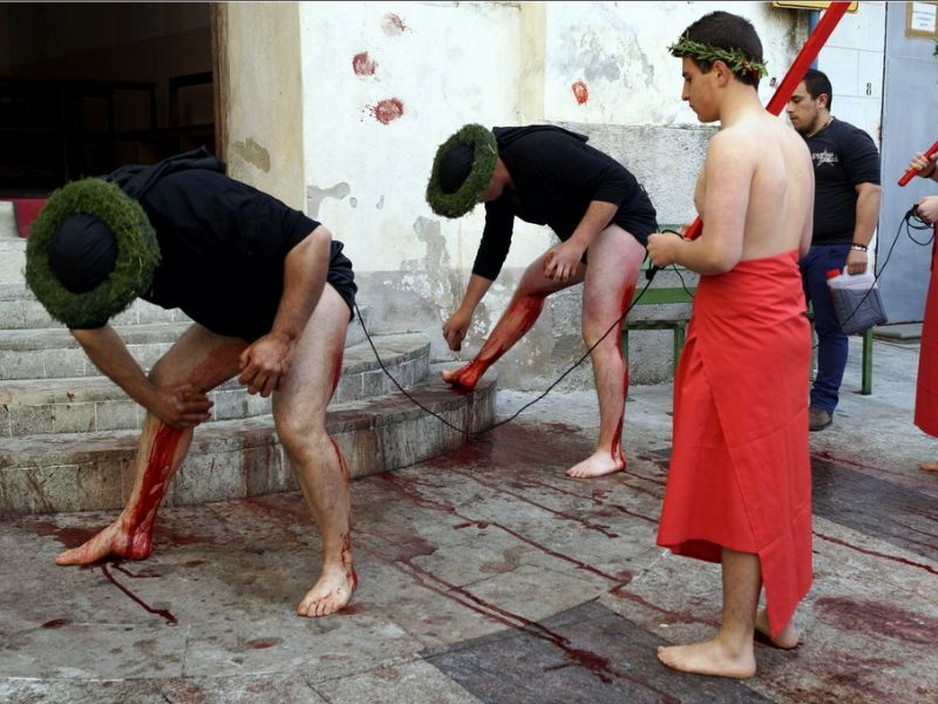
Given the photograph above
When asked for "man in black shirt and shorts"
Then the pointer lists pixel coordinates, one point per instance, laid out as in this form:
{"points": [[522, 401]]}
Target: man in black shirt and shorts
{"points": [[270, 295], [549, 176]]}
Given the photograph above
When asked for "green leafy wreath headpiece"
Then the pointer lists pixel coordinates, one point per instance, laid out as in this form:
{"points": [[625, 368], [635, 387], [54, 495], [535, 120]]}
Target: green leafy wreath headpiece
{"points": [[734, 58], [484, 156], [137, 253]]}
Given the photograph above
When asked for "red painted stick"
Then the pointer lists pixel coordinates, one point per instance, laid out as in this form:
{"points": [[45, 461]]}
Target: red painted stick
{"points": [[795, 74], [907, 176]]}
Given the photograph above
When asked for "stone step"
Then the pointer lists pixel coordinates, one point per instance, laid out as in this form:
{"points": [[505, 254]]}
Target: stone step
{"points": [[19, 309], [95, 403], [52, 352], [235, 459], [12, 254]]}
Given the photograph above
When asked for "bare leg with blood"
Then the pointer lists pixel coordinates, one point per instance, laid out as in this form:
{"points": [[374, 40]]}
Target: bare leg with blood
{"points": [[300, 415], [523, 310], [204, 360], [615, 258]]}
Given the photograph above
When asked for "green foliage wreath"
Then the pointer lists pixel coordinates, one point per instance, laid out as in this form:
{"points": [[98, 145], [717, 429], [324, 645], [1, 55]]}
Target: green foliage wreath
{"points": [[734, 58], [137, 253], [484, 156]]}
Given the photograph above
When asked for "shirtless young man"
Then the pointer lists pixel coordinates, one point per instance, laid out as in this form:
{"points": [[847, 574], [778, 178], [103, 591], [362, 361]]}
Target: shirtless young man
{"points": [[547, 175], [739, 487], [271, 296]]}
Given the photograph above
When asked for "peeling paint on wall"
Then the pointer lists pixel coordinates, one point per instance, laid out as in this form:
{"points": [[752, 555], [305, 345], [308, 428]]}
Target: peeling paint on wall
{"points": [[252, 153], [315, 196]]}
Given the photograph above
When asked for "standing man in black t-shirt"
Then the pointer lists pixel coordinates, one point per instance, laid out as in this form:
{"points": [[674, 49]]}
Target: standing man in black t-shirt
{"points": [[271, 296], [846, 211], [549, 176]]}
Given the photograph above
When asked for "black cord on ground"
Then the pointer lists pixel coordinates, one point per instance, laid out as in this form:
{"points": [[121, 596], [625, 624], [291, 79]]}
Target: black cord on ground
{"points": [[525, 406]]}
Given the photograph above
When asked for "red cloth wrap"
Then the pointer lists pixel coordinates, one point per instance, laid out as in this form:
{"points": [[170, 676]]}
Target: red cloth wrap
{"points": [[740, 472], [926, 385]]}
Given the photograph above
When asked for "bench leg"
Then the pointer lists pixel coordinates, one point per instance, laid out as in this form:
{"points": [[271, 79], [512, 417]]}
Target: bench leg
{"points": [[678, 345], [866, 387]]}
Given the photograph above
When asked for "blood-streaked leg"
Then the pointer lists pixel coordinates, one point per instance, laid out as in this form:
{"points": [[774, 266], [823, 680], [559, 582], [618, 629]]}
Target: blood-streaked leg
{"points": [[300, 415], [519, 317], [615, 258], [204, 360]]}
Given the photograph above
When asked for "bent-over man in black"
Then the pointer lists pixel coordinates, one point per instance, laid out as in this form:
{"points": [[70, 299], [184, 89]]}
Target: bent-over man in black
{"points": [[271, 296], [602, 215]]}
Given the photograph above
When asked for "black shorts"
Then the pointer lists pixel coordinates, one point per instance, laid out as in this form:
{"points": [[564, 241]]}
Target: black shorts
{"points": [[341, 277]]}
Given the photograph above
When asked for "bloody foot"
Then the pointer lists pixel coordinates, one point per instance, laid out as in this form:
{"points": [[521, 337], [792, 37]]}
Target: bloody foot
{"points": [[597, 465], [709, 658], [331, 593], [465, 378], [113, 541]]}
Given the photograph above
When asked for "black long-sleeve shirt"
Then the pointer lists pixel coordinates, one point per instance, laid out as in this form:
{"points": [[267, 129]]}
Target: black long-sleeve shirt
{"points": [[556, 176]]}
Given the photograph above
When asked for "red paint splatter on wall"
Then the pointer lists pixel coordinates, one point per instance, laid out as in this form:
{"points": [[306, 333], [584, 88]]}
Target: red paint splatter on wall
{"points": [[363, 65], [580, 92], [387, 110], [393, 25]]}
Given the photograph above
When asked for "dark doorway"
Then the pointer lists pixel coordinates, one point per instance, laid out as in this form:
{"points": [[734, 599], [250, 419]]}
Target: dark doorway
{"points": [[87, 87]]}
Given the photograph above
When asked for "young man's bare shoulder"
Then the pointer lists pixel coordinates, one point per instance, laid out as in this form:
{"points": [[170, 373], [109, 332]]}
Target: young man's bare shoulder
{"points": [[736, 142]]}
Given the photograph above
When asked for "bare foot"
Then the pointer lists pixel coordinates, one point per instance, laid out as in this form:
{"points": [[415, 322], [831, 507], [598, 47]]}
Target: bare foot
{"points": [[113, 541], [597, 465], [929, 466], [465, 378], [787, 639], [708, 658], [332, 592]]}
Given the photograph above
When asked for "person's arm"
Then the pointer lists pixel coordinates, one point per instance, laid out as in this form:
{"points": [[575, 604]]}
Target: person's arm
{"points": [[181, 407], [457, 325], [576, 169], [562, 263], [867, 208], [728, 172], [265, 362]]}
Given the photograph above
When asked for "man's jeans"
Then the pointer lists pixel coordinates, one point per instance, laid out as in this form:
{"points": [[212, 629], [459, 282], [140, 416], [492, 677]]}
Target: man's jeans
{"points": [[832, 343]]}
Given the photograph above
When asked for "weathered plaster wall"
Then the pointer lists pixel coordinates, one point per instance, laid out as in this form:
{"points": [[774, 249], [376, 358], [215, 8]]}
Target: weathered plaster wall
{"points": [[382, 84], [265, 111]]}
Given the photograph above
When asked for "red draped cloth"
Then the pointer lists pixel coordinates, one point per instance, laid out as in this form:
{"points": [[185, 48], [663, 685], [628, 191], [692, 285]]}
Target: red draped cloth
{"points": [[740, 472], [926, 386]]}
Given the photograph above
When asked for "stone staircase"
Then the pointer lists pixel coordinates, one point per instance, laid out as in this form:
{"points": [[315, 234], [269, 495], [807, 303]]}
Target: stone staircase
{"points": [[68, 435]]}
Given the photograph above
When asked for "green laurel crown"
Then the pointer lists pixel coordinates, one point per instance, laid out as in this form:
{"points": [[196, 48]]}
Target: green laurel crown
{"points": [[734, 58]]}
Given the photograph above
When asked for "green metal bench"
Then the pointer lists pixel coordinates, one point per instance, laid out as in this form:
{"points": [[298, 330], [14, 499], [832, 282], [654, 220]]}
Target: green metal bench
{"points": [[674, 315], [673, 300]]}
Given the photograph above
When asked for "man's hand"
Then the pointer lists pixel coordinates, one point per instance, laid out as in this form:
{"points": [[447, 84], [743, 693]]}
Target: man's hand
{"points": [[182, 406], [925, 166], [265, 363], [927, 209], [455, 329], [561, 262], [857, 262], [662, 247]]}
